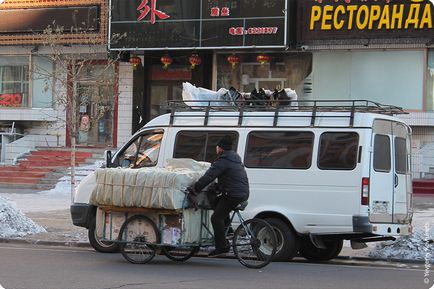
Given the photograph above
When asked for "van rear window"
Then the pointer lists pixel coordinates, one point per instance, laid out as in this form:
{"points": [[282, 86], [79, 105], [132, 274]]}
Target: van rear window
{"points": [[382, 160], [400, 155], [200, 145], [279, 150], [338, 150]]}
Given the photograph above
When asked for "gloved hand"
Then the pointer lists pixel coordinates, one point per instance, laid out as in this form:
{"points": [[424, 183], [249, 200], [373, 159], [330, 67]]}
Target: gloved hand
{"points": [[192, 197], [192, 190]]}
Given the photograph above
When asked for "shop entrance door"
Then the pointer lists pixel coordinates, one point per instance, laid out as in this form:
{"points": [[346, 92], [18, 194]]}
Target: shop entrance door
{"points": [[166, 85], [95, 107], [161, 92]]}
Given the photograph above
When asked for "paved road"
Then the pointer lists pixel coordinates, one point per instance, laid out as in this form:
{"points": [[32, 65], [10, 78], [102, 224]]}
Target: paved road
{"points": [[38, 267]]}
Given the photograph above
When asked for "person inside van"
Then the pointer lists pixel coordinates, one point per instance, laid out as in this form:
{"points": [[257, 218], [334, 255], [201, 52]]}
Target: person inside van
{"points": [[233, 185]]}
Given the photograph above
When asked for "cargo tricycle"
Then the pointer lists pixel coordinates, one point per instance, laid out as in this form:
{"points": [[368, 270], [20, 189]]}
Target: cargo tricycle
{"points": [[180, 234]]}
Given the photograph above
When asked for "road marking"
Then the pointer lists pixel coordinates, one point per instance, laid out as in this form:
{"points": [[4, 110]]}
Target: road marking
{"points": [[1, 287]]}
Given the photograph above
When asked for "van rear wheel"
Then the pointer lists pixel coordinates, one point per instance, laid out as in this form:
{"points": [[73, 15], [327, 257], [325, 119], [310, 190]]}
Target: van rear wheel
{"points": [[97, 244], [287, 241], [312, 253]]}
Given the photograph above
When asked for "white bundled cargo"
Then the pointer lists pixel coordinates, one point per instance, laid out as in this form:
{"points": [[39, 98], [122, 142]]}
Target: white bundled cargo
{"points": [[160, 188]]}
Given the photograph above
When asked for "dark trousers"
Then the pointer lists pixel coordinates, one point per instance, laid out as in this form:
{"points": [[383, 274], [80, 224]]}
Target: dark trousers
{"points": [[220, 219]]}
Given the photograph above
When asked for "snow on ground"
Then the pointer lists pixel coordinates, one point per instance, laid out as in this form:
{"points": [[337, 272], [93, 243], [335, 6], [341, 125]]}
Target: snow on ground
{"points": [[13, 222], [413, 247]]}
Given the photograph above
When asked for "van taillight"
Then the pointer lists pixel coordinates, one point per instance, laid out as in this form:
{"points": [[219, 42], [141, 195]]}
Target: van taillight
{"points": [[365, 191]]}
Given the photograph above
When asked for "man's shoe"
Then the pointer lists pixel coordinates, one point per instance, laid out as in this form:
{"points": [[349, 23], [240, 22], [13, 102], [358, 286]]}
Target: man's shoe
{"points": [[218, 252]]}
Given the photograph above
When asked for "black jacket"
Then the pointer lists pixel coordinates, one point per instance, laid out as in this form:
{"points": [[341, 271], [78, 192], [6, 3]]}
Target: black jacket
{"points": [[231, 174]]}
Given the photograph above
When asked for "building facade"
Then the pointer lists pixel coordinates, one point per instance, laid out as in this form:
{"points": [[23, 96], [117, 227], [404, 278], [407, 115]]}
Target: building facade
{"points": [[330, 49], [348, 50], [50, 51]]}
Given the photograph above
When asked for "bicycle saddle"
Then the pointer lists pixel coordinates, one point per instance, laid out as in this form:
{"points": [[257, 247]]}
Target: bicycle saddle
{"points": [[241, 206]]}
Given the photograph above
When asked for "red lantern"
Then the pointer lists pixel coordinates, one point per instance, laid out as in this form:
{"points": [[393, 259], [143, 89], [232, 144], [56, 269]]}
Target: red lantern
{"points": [[233, 60], [194, 60], [263, 58], [166, 60], [135, 60]]}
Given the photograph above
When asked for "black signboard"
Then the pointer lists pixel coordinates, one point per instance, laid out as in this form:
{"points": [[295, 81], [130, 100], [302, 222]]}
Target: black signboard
{"points": [[36, 20], [199, 24], [349, 21]]}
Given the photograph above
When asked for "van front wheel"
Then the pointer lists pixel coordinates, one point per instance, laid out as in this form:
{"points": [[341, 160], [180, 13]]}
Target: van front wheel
{"points": [[312, 253], [98, 245], [287, 241]]}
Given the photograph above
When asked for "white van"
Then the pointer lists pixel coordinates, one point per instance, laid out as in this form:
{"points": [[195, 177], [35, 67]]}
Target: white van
{"points": [[319, 173]]}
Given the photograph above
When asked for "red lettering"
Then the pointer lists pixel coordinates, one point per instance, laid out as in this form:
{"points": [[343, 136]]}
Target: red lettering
{"points": [[215, 12], [11, 100], [225, 11], [144, 9], [236, 30]]}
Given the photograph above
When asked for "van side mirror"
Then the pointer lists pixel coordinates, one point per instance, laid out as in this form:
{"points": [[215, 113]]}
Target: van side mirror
{"points": [[108, 158]]}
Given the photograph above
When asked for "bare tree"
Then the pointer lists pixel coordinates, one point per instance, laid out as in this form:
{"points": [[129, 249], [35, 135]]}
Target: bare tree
{"points": [[74, 64]]}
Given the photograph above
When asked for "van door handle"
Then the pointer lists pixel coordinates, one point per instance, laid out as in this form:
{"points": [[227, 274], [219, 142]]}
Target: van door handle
{"points": [[396, 180]]}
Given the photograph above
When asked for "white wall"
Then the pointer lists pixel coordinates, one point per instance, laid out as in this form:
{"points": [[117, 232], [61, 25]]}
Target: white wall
{"points": [[389, 77], [125, 103]]}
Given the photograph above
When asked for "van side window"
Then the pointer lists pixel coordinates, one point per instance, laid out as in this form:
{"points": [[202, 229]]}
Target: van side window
{"points": [[338, 150], [142, 152], [400, 155], [279, 150], [382, 162], [200, 145]]}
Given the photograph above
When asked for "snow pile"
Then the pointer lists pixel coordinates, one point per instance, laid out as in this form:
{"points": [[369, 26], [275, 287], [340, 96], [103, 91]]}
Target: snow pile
{"points": [[413, 247], [14, 223]]}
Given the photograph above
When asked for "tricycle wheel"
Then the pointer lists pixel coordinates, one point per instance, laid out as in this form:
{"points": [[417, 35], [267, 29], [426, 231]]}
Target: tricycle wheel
{"points": [[179, 253], [97, 244], [137, 236], [254, 243]]}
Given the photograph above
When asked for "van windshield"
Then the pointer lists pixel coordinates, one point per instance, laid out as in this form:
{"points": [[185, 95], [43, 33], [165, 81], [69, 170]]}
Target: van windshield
{"points": [[142, 151]]}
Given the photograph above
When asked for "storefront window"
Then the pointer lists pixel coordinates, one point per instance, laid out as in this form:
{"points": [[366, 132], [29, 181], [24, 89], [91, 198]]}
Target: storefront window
{"points": [[16, 80], [42, 80], [284, 70], [95, 105], [430, 81]]}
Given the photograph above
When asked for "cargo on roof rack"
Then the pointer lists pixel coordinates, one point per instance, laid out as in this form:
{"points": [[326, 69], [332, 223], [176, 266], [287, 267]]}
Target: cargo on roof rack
{"points": [[344, 108]]}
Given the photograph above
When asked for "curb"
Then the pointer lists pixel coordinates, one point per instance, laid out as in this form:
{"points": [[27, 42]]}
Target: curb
{"points": [[45, 242], [201, 254], [390, 260]]}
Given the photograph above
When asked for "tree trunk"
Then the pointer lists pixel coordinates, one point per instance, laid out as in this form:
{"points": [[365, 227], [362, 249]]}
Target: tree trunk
{"points": [[73, 127]]}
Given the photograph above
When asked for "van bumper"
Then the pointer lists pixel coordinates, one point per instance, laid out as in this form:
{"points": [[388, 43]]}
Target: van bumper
{"points": [[80, 214], [361, 224]]}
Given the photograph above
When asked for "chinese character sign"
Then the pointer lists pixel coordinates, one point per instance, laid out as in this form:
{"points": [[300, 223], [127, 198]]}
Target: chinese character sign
{"points": [[144, 9], [225, 11]]}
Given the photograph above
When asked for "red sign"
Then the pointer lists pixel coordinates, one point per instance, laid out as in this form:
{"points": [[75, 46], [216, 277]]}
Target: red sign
{"points": [[145, 9], [158, 73], [11, 99]]}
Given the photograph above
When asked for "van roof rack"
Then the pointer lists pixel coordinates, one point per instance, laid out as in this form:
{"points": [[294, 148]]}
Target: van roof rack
{"points": [[276, 106]]}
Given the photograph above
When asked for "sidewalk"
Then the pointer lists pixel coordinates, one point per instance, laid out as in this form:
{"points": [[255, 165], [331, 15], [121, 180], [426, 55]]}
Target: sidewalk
{"points": [[52, 213]]}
